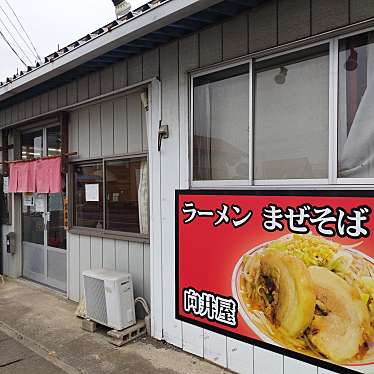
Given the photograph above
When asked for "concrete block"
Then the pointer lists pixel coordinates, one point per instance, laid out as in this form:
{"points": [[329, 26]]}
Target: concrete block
{"points": [[89, 325], [120, 338]]}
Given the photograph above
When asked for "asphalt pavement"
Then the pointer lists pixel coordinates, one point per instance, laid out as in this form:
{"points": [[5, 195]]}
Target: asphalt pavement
{"points": [[15, 358]]}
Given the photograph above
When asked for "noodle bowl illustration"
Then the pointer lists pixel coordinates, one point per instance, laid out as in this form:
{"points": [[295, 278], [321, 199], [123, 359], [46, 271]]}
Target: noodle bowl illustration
{"points": [[310, 295]]}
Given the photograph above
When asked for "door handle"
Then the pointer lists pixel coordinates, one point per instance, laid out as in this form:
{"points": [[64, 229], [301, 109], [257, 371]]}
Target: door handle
{"points": [[163, 133]]}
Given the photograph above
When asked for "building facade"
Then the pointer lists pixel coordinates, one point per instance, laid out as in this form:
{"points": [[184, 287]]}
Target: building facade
{"points": [[226, 70]]}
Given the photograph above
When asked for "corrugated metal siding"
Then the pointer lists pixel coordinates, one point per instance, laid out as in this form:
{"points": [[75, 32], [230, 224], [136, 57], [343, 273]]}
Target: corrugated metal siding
{"points": [[270, 24], [87, 252], [108, 128]]}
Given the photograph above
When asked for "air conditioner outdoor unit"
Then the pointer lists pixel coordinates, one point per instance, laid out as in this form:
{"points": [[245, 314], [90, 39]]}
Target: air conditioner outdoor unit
{"points": [[109, 298]]}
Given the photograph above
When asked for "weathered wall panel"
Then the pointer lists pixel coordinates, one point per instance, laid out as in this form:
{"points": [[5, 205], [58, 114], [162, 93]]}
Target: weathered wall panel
{"points": [[210, 45], [361, 10], [120, 75], [106, 80], [293, 20], [95, 131], [94, 87], [263, 26], [120, 125], [107, 128], [84, 133], [236, 30], [83, 88], [328, 15], [135, 70], [151, 64], [72, 93], [62, 96]]}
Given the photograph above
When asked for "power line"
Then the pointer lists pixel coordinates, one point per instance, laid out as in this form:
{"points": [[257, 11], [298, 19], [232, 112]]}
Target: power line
{"points": [[19, 34], [15, 41], [27, 35], [10, 46]]}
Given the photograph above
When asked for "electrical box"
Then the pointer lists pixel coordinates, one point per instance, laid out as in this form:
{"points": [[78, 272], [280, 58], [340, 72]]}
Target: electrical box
{"points": [[11, 243]]}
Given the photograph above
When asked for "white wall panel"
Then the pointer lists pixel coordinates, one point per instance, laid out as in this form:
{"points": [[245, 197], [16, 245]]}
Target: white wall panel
{"points": [[84, 133], [109, 254], [96, 252], [107, 128], [84, 257], [134, 123], [292, 366], [95, 131], [188, 59], [323, 371], [266, 362], [73, 267], [120, 125], [169, 183], [147, 273], [74, 132], [136, 267], [215, 348], [239, 356], [122, 256]]}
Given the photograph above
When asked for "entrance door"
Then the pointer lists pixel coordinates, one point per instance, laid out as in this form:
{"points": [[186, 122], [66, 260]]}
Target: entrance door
{"points": [[44, 235]]}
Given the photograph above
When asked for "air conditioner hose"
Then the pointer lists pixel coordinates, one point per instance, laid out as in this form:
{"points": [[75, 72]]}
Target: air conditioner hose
{"points": [[147, 318]]}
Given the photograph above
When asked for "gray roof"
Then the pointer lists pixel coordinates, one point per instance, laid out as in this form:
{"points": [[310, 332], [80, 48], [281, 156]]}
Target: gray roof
{"points": [[118, 40]]}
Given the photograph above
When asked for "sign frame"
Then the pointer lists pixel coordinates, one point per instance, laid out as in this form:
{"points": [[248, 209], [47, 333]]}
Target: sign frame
{"points": [[307, 192]]}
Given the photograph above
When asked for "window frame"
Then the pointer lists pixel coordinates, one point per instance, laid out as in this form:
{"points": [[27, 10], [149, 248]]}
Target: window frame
{"points": [[332, 179], [8, 197], [103, 233]]}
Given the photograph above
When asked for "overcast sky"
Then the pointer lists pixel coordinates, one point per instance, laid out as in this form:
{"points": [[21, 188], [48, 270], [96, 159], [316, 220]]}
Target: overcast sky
{"points": [[50, 23]]}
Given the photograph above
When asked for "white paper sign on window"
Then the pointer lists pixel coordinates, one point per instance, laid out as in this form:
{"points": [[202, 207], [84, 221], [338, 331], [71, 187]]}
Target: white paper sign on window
{"points": [[92, 192], [38, 144], [39, 203], [5, 184], [28, 199]]}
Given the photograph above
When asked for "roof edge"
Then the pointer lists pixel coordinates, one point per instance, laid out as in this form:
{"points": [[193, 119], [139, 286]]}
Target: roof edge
{"points": [[152, 20]]}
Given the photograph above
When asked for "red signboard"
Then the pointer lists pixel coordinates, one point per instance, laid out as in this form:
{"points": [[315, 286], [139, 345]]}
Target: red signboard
{"points": [[289, 271]]}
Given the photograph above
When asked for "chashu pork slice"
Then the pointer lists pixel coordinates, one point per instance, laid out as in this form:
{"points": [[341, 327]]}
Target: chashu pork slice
{"points": [[293, 298], [337, 332]]}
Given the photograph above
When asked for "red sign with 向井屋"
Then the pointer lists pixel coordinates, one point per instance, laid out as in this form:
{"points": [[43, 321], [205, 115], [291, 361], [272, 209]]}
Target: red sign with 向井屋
{"points": [[290, 271]]}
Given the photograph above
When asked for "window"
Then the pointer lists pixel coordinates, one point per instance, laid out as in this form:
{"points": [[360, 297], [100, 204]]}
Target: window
{"points": [[221, 124], [124, 183], [292, 116], [356, 109], [32, 145], [297, 118], [5, 202], [88, 196]]}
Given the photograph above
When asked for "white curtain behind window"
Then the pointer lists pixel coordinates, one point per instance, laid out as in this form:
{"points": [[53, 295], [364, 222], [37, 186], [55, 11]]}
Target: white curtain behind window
{"points": [[202, 133], [357, 154], [143, 198]]}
